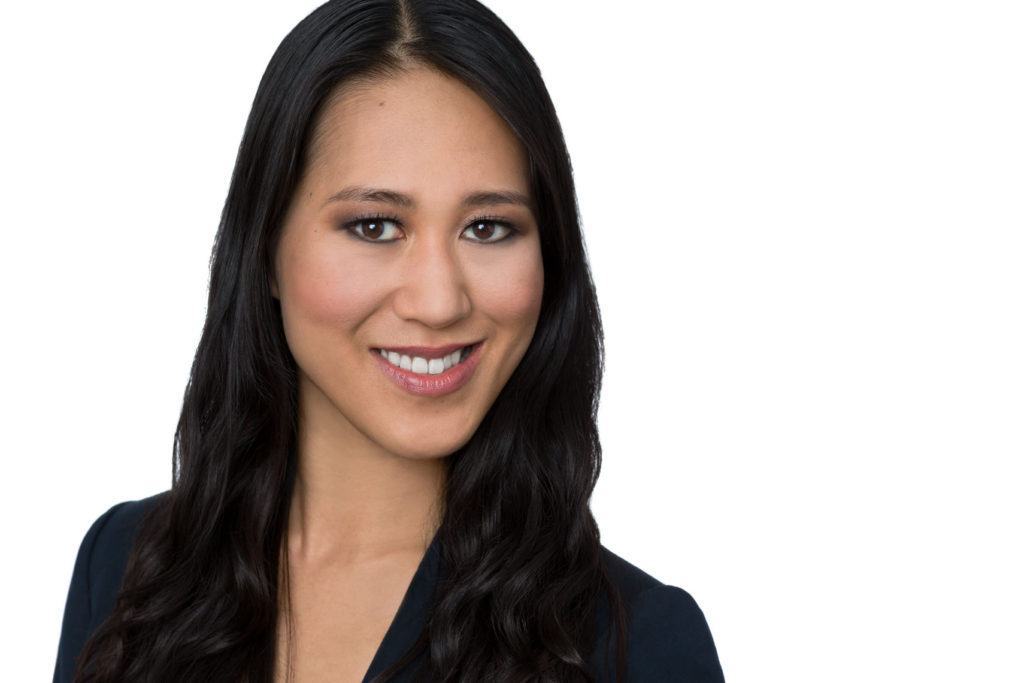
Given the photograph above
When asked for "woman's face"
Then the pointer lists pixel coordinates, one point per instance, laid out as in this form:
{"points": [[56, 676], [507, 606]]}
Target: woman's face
{"points": [[412, 233]]}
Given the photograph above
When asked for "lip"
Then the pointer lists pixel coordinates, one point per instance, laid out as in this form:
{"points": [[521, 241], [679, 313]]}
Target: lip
{"points": [[446, 382], [427, 352]]}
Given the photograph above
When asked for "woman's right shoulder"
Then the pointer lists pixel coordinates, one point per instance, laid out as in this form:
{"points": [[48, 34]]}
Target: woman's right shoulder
{"points": [[97, 577], [109, 541], [122, 518]]}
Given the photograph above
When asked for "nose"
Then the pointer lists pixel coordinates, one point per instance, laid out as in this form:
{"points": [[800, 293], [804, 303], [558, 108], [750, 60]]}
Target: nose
{"points": [[433, 288]]}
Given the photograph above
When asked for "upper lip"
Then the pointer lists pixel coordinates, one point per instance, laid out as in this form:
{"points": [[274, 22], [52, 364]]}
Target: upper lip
{"points": [[427, 352]]}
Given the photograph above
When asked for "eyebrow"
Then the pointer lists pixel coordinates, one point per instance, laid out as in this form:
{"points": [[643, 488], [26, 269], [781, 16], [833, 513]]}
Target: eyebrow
{"points": [[477, 199], [472, 200]]}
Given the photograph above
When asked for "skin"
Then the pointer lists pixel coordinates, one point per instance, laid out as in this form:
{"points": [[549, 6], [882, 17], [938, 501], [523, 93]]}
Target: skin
{"points": [[371, 454]]}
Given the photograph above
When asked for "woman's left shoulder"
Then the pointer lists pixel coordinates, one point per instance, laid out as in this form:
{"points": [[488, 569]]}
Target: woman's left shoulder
{"points": [[668, 637]]}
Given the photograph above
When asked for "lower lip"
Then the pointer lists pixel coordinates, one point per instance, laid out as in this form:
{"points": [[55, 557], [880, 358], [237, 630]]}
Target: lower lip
{"points": [[446, 382]]}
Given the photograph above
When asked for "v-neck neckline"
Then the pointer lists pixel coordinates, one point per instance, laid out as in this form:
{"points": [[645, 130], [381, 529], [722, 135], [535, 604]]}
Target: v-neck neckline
{"points": [[412, 613]]}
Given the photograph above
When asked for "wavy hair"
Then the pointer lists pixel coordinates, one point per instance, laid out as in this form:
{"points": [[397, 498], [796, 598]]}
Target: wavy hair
{"points": [[524, 574]]}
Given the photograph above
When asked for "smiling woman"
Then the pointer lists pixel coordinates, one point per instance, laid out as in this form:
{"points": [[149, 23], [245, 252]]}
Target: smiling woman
{"points": [[387, 448], [378, 286]]}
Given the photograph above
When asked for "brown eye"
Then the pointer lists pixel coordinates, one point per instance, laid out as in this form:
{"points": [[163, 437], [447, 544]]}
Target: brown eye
{"points": [[375, 229], [483, 230], [487, 231]]}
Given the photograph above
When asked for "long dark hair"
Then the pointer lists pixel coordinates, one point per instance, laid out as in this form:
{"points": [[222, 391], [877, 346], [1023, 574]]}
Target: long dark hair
{"points": [[523, 568]]}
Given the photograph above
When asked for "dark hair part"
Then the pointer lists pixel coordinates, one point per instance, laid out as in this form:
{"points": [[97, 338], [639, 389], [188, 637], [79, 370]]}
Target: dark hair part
{"points": [[523, 567]]}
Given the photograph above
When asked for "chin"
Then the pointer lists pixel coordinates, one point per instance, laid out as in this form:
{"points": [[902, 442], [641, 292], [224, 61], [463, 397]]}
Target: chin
{"points": [[421, 451], [426, 445], [428, 438]]}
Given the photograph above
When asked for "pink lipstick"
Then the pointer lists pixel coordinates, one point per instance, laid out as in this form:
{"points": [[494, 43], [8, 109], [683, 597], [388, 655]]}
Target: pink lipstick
{"points": [[429, 370]]}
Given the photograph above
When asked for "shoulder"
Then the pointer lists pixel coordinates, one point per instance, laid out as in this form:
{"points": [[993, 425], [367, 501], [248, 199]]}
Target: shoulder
{"points": [[97, 576], [667, 635], [105, 549], [109, 541]]}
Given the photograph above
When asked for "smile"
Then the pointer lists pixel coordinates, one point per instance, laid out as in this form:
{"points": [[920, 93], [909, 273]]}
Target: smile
{"points": [[429, 371], [426, 366]]}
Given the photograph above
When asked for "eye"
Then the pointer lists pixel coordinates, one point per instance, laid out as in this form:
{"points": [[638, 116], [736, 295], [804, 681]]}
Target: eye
{"points": [[375, 229], [488, 231]]}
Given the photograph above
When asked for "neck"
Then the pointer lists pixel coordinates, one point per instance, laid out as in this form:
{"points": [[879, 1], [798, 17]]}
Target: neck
{"points": [[353, 501]]}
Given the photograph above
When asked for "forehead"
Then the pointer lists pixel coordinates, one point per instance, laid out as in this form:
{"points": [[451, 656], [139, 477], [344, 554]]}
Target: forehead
{"points": [[406, 129]]}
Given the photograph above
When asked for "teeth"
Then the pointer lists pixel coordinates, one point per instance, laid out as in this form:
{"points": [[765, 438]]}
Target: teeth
{"points": [[426, 366]]}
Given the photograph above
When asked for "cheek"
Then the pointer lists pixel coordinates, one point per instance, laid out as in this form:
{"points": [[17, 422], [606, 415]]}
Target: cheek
{"points": [[320, 289], [510, 293]]}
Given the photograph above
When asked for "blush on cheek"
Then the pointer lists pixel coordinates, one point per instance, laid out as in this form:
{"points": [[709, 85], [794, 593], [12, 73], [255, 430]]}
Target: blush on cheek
{"points": [[524, 298], [511, 292], [332, 292]]}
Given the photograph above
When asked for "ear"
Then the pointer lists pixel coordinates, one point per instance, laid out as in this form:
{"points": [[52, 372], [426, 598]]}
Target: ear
{"points": [[273, 287]]}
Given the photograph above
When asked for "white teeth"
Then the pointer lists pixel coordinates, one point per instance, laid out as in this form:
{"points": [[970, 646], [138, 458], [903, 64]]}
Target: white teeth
{"points": [[425, 366]]}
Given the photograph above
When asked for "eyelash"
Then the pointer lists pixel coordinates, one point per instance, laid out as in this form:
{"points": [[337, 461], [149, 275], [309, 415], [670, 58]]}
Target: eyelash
{"points": [[353, 227]]}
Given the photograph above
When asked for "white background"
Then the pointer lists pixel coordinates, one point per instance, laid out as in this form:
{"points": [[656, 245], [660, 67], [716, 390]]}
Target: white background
{"points": [[806, 225]]}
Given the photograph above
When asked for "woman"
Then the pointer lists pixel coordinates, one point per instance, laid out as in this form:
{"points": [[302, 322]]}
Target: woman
{"points": [[388, 443]]}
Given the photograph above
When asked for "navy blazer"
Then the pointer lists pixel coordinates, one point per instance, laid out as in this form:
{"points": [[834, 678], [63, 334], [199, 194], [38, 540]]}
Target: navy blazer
{"points": [[669, 639]]}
